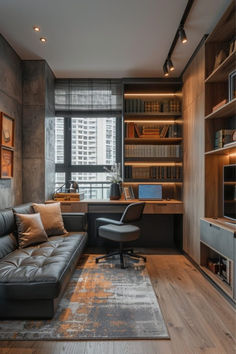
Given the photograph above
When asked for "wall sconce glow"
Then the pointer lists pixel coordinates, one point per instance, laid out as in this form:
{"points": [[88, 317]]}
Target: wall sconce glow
{"points": [[43, 39], [36, 28]]}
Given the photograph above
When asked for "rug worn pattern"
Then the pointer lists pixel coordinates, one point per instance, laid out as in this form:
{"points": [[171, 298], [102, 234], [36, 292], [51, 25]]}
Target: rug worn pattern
{"points": [[101, 301]]}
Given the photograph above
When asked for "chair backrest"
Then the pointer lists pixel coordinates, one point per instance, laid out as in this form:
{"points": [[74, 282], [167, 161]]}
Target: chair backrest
{"points": [[133, 212]]}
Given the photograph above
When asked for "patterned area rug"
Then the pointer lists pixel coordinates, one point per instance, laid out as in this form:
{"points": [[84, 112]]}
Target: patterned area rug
{"points": [[101, 301]]}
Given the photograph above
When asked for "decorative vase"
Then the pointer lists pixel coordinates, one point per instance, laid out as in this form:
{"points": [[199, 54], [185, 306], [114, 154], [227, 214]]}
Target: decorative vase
{"points": [[115, 191]]}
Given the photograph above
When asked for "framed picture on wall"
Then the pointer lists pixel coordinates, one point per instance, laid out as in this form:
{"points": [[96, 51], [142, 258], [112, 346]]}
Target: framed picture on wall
{"points": [[6, 163], [6, 130]]}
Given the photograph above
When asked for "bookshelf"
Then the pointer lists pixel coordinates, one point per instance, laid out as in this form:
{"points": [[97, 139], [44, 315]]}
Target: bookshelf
{"points": [[153, 135], [217, 238]]}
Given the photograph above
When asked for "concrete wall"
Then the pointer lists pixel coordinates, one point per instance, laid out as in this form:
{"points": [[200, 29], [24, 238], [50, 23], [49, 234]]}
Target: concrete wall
{"points": [[11, 104], [38, 131]]}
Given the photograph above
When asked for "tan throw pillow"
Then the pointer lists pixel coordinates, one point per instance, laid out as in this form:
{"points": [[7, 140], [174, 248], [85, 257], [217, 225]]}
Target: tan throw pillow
{"points": [[51, 218], [30, 229]]}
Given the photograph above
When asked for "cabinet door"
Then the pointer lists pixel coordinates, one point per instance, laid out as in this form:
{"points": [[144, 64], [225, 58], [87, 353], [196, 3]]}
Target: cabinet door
{"points": [[218, 238]]}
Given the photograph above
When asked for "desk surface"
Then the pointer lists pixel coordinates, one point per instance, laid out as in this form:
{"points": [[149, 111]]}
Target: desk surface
{"points": [[171, 206]]}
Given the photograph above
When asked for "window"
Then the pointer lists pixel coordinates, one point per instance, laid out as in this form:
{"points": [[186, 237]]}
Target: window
{"points": [[88, 131], [82, 151]]}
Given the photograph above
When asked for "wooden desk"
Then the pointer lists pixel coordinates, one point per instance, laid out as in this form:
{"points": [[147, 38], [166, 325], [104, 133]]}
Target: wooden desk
{"points": [[102, 206]]}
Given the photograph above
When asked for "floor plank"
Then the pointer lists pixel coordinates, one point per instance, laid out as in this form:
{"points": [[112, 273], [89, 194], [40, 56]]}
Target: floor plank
{"points": [[198, 318]]}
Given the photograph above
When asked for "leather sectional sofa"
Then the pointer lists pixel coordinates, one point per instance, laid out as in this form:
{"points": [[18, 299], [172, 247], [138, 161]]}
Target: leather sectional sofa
{"points": [[33, 279]]}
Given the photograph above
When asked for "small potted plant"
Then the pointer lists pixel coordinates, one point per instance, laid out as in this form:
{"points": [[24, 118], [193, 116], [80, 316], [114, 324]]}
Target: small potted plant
{"points": [[115, 179]]}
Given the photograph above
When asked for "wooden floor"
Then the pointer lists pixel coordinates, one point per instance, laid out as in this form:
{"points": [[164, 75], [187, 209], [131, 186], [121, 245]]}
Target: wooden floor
{"points": [[199, 319]]}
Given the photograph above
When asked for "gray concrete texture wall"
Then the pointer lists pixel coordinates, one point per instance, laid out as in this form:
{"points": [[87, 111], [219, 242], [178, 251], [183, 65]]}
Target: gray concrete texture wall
{"points": [[27, 95], [38, 131], [11, 104]]}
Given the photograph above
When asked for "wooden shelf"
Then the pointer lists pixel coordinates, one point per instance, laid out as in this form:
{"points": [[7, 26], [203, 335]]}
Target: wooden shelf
{"points": [[224, 286], [220, 74], [222, 151], [226, 111], [154, 180], [153, 159], [152, 114], [152, 140]]}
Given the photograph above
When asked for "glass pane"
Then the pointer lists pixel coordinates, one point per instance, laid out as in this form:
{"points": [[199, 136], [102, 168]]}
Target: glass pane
{"points": [[59, 140], [93, 141], [94, 185], [59, 179]]}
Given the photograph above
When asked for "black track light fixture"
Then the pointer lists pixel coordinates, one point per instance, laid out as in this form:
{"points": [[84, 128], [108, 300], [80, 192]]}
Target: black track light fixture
{"points": [[182, 35], [170, 64], [165, 69]]}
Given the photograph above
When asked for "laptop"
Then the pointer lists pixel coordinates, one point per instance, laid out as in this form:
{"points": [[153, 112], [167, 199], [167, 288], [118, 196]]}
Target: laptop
{"points": [[150, 192]]}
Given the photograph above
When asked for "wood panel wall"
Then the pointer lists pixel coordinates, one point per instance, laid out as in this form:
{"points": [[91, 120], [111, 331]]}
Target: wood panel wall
{"points": [[193, 115]]}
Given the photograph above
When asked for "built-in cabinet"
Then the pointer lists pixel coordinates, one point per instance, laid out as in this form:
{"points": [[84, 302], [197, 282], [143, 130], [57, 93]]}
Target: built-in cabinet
{"points": [[217, 234]]}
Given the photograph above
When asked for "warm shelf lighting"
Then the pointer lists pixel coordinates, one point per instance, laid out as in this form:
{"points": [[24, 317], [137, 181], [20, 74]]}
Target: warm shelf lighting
{"points": [[36, 28], [154, 121], [152, 182], [152, 94], [144, 164], [43, 39]]}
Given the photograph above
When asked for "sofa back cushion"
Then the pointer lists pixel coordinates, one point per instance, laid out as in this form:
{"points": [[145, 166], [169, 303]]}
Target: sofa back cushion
{"points": [[7, 227]]}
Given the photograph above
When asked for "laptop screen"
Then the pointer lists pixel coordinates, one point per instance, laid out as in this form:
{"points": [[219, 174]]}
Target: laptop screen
{"points": [[150, 191]]}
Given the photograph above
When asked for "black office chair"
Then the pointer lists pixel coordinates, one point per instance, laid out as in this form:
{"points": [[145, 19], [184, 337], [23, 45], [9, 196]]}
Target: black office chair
{"points": [[121, 231]]}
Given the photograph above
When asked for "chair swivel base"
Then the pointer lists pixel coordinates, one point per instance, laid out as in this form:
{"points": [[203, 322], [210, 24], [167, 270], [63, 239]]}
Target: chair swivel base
{"points": [[127, 252]]}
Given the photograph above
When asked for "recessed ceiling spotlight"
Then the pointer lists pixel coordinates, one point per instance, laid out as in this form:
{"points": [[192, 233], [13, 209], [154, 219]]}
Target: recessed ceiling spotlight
{"points": [[36, 28], [43, 39]]}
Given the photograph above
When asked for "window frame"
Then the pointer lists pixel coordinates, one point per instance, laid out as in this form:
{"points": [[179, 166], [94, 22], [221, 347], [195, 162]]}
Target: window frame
{"points": [[67, 166]]}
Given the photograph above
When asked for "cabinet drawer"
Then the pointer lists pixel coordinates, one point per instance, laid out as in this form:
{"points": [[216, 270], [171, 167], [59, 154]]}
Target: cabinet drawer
{"points": [[218, 238], [163, 208], [67, 207]]}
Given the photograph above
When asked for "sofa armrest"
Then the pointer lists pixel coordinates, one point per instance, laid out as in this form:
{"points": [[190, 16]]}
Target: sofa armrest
{"points": [[75, 221]]}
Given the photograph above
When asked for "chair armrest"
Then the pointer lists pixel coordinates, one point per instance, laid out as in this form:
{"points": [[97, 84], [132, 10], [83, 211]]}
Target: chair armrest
{"points": [[106, 221], [75, 221]]}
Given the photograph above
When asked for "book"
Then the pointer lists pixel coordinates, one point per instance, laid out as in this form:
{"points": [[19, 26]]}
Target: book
{"points": [[218, 105]]}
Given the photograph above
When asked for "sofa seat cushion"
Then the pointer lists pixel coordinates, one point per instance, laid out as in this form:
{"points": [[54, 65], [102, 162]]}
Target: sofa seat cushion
{"points": [[39, 272]]}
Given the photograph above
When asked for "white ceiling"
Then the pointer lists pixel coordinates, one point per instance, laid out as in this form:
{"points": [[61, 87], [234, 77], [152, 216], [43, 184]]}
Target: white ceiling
{"points": [[106, 38]]}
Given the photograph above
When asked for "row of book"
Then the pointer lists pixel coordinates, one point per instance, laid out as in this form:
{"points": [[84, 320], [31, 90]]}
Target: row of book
{"points": [[153, 151], [154, 172], [222, 137], [133, 130], [141, 106]]}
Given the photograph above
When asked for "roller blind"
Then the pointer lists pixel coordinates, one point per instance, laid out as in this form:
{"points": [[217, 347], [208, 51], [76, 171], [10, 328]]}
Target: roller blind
{"points": [[88, 97]]}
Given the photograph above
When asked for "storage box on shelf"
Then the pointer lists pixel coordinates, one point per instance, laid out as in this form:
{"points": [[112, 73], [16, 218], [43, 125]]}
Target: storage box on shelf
{"points": [[217, 237], [153, 135]]}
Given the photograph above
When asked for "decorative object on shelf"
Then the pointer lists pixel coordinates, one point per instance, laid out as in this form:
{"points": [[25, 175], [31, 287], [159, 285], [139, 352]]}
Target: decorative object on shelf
{"points": [[223, 137], [218, 105], [6, 162], [115, 179], [129, 193], [74, 187], [219, 58], [232, 85], [232, 46], [6, 130], [72, 197]]}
